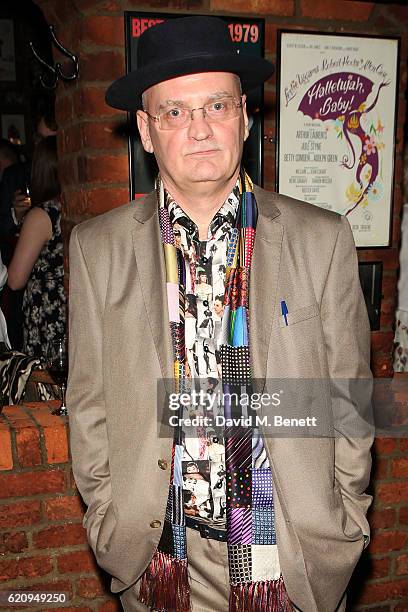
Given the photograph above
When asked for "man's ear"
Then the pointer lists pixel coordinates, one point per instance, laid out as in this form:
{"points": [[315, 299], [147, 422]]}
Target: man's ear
{"points": [[246, 120], [143, 126]]}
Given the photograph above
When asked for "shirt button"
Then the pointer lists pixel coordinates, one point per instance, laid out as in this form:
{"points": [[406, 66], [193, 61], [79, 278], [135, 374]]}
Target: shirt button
{"points": [[162, 463], [205, 303], [204, 259], [155, 524]]}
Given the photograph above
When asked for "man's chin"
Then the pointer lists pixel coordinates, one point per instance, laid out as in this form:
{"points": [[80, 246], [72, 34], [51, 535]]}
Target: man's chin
{"points": [[206, 171]]}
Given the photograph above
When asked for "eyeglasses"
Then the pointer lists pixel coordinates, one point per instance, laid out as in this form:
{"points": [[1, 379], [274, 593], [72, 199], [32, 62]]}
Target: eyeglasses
{"points": [[179, 117]]}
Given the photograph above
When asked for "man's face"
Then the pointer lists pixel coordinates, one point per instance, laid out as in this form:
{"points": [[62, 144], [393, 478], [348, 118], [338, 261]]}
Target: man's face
{"points": [[201, 151]]}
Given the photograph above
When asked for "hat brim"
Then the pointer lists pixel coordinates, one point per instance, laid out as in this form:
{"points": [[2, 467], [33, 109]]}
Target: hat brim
{"points": [[126, 93]]}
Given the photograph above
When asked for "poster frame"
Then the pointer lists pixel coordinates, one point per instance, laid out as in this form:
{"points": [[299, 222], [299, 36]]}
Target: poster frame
{"points": [[353, 36]]}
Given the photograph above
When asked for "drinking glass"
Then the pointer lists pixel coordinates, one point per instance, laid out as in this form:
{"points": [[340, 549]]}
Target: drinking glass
{"points": [[57, 366]]}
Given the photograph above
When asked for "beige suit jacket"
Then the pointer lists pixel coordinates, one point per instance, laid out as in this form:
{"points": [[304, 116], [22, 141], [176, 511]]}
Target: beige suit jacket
{"points": [[120, 351]]}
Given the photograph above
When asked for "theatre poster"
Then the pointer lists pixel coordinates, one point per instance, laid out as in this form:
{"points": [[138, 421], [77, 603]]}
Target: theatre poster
{"points": [[336, 127]]}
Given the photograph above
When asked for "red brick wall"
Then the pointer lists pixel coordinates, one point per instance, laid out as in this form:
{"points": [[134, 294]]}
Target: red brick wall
{"points": [[43, 545], [380, 581]]}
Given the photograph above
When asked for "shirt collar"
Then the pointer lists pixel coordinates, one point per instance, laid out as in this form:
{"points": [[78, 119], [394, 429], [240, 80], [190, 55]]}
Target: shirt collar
{"points": [[226, 214]]}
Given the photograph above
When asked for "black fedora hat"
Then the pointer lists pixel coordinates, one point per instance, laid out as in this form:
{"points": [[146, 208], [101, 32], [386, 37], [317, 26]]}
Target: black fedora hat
{"points": [[187, 45]]}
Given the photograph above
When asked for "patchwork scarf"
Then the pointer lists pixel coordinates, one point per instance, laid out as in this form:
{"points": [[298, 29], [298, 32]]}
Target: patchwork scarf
{"points": [[256, 584]]}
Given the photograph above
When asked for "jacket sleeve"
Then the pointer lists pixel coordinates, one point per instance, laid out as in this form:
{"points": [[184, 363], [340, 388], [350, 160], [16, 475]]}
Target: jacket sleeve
{"points": [[347, 337], [85, 397]]}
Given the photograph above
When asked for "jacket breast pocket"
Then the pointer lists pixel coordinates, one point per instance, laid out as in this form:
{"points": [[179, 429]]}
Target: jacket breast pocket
{"points": [[299, 315]]}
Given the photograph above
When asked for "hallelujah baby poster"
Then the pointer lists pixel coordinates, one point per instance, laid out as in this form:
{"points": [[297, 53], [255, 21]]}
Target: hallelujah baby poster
{"points": [[337, 101]]}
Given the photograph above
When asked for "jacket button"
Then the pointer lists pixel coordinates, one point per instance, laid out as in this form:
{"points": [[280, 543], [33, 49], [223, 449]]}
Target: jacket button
{"points": [[162, 463], [155, 524]]}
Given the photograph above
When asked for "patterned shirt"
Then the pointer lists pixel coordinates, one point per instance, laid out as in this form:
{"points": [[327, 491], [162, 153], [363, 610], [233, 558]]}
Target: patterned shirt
{"points": [[204, 490]]}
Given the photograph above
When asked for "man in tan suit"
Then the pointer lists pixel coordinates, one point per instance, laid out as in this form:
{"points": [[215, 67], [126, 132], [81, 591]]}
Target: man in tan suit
{"points": [[296, 540]]}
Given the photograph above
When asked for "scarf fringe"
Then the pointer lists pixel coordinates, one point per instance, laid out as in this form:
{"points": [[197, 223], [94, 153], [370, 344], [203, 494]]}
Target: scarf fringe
{"points": [[164, 585], [268, 595]]}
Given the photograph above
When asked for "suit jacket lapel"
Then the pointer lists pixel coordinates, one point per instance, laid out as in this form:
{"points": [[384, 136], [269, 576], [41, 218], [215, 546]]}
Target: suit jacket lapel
{"points": [[263, 282], [151, 269]]}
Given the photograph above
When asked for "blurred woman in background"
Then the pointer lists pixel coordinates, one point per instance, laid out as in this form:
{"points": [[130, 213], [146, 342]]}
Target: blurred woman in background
{"points": [[38, 263]]}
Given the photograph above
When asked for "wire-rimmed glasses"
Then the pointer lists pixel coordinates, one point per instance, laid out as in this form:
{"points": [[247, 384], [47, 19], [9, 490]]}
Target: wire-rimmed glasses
{"points": [[176, 117]]}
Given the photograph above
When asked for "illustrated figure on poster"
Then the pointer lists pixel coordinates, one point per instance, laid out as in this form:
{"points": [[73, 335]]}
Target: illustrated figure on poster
{"points": [[347, 107], [369, 151]]}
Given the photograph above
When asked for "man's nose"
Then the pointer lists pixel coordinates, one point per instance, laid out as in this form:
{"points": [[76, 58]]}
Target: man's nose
{"points": [[199, 127]]}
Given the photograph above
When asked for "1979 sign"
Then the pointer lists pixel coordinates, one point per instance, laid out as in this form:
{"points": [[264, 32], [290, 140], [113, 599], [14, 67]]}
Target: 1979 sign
{"points": [[240, 32], [244, 32]]}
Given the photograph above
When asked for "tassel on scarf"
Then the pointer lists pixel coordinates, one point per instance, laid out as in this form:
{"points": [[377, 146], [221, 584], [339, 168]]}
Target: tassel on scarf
{"points": [[164, 584], [268, 595]]}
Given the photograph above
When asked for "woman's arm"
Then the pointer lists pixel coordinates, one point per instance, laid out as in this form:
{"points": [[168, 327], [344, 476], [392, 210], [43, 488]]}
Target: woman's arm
{"points": [[36, 231]]}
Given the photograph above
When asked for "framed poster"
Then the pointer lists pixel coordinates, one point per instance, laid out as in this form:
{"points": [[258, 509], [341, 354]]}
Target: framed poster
{"points": [[248, 35], [7, 51], [336, 134], [13, 128]]}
